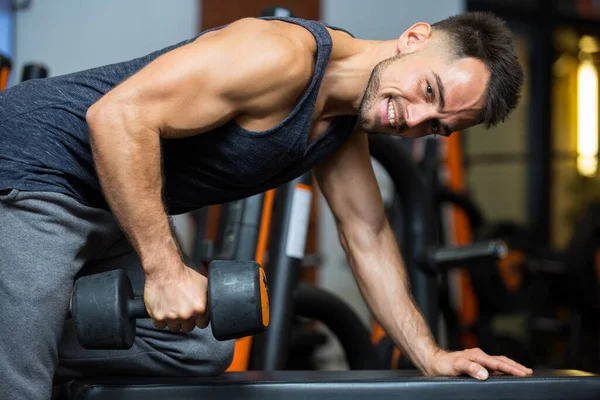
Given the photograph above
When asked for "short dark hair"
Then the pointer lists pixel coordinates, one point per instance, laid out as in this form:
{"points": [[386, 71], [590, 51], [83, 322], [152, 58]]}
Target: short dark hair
{"points": [[485, 36]]}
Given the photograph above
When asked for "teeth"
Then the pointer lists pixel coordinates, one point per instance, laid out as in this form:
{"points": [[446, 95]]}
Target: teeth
{"points": [[391, 114]]}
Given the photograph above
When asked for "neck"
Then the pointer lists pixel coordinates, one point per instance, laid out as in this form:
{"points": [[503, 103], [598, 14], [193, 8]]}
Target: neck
{"points": [[348, 72]]}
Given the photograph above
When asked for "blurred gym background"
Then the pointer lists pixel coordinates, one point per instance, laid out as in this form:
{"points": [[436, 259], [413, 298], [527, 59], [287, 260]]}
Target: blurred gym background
{"points": [[537, 171]]}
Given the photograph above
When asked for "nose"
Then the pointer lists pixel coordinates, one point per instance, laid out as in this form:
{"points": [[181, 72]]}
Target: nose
{"points": [[417, 114]]}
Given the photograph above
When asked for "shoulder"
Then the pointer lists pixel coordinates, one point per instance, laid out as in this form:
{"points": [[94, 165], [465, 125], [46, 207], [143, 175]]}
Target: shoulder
{"points": [[258, 57]]}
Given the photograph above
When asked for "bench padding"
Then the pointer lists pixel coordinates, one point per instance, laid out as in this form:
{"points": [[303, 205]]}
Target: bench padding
{"points": [[342, 385]]}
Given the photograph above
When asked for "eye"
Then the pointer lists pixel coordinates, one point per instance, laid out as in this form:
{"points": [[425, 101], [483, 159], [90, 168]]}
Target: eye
{"points": [[429, 90]]}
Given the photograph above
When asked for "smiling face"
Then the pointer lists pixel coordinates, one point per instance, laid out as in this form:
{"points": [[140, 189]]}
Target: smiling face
{"points": [[426, 91]]}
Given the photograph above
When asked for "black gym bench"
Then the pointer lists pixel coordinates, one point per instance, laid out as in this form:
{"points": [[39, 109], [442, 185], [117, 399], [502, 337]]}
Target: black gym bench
{"points": [[346, 385]]}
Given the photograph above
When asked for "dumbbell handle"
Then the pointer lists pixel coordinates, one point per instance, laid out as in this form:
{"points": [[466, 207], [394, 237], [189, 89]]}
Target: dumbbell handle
{"points": [[459, 256], [137, 309]]}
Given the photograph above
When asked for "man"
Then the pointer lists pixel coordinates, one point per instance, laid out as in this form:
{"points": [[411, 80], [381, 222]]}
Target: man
{"points": [[93, 163]]}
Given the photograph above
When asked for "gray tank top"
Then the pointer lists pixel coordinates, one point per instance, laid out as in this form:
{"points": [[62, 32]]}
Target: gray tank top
{"points": [[44, 139]]}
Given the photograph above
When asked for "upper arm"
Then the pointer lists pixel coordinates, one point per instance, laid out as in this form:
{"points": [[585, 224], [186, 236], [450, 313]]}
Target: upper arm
{"points": [[203, 84], [348, 183]]}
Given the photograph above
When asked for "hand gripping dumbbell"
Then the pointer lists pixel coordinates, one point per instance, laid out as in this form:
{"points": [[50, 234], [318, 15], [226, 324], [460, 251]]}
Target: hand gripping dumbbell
{"points": [[104, 310]]}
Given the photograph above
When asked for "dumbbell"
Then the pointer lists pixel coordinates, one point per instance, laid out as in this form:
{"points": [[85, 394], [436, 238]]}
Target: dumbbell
{"points": [[104, 310]]}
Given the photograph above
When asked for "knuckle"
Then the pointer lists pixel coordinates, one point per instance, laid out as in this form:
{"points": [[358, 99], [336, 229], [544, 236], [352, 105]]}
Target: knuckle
{"points": [[172, 316], [200, 307], [186, 313], [460, 363]]}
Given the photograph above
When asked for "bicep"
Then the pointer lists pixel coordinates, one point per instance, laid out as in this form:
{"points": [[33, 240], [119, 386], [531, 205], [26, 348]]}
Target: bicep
{"points": [[348, 183]]}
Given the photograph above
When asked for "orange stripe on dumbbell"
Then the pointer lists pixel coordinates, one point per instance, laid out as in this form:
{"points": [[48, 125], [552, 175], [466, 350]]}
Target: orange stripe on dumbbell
{"points": [[264, 297]]}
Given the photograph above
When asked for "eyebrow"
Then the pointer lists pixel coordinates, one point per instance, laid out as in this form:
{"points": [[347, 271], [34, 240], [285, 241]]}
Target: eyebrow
{"points": [[440, 87]]}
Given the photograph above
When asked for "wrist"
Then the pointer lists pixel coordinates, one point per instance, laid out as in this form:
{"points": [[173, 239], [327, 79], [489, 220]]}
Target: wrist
{"points": [[431, 361], [160, 259], [162, 272]]}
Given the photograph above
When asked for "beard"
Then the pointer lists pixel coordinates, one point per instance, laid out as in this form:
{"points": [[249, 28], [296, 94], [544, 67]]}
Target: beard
{"points": [[370, 96]]}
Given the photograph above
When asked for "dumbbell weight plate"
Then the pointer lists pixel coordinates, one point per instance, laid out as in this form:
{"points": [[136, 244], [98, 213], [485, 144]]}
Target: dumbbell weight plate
{"points": [[97, 295], [238, 299]]}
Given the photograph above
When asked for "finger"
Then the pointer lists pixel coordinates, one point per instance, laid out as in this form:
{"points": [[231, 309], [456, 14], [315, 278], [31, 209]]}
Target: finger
{"points": [[515, 364], [188, 326], [159, 324], [202, 319], [465, 366], [495, 364], [174, 326], [480, 353], [202, 322]]}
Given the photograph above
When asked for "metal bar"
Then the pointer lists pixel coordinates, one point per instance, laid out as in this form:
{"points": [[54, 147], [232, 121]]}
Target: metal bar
{"points": [[249, 228], [286, 251]]}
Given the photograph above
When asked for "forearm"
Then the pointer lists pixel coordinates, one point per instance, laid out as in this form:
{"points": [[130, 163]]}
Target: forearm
{"points": [[128, 163], [381, 276]]}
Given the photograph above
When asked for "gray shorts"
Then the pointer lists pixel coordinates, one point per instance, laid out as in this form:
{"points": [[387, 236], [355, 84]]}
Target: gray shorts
{"points": [[46, 241]]}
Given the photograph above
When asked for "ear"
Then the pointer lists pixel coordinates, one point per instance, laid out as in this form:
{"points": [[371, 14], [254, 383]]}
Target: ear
{"points": [[414, 38]]}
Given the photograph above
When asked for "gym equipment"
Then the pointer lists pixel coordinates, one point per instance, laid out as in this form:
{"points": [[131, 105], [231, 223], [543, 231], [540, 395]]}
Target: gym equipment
{"points": [[348, 385], [34, 71], [104, 309], [5, 67], [238, 233]]}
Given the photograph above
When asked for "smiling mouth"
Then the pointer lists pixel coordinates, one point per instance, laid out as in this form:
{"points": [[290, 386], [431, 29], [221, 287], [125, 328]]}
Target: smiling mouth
{"points": [[391, 113]]}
